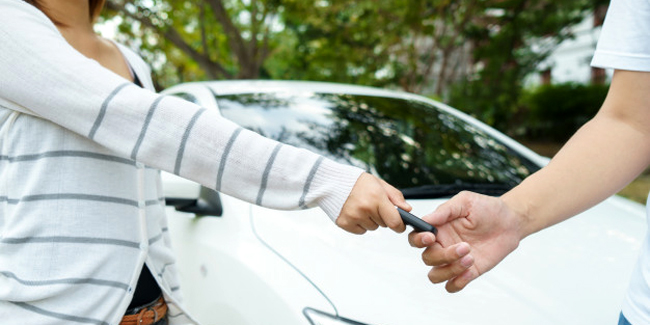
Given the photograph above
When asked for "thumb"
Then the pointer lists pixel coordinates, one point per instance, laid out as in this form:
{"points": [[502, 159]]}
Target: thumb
{"points": [[456, 207]]}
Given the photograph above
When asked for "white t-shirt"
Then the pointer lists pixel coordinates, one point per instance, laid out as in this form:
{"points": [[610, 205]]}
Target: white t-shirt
{"points": [[624, 44]]}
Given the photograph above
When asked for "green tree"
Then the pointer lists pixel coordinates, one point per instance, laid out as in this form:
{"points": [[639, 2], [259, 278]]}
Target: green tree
{"points": [[421, 46], [557, 111], [188, 40], [415, 45], [425, 46], [510, 40]]}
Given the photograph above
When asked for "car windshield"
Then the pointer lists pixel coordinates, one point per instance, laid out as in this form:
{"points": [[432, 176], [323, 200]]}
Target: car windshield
{"points": [[424, 151]]}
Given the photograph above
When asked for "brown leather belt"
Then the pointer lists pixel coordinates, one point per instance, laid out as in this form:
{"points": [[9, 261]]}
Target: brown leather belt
{"points": [[147, 315]]}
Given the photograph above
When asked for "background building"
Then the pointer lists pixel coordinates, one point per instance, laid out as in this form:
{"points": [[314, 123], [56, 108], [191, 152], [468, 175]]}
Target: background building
{"points": [[570, 61]]}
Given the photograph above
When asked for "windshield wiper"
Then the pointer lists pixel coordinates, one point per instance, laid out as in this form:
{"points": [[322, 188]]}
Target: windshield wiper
{"points": [[449, 190]]}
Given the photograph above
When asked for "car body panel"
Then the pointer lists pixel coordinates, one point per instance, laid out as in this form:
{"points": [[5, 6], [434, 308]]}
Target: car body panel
{"points": [[200, 93], [555, 277], [255, 261], [228, 276]]}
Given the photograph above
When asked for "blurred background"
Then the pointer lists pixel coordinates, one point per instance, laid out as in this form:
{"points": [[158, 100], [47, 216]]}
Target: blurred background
{"points": [[521, 66]]}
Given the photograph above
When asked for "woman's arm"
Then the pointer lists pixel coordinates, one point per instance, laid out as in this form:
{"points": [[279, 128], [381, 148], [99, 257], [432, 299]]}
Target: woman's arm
{"points": [[41, 72]]}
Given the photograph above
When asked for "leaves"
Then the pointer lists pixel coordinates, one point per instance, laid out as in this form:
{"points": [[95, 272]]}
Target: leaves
{"points": [[505, 53], [189, 40], [466, 51]]}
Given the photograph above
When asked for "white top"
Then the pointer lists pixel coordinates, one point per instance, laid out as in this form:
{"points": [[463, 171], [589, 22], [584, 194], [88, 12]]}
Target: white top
{"points": [[624, 44], [81, 211], [624, 41]]}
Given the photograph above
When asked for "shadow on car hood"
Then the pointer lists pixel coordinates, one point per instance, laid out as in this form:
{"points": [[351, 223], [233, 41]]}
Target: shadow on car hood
{"points": [[573, 273]]}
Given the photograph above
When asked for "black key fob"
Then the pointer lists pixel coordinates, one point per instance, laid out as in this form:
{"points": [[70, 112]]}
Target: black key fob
{"points": [[418, 224]]}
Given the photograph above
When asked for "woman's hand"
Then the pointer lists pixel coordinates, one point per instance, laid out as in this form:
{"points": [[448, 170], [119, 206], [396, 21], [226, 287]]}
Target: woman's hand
{"points": [[371, 205]]}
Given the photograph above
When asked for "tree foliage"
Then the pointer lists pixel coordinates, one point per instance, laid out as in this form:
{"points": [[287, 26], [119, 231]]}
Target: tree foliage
{"points": [[187, 40], [555, 112], [482, 47], [416, 45], [510, 41]]}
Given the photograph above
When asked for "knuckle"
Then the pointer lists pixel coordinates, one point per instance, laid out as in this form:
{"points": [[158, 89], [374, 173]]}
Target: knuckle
{"points": [[459, 282], [411, 240], [457, 268], [458, 286], [427, 259], [451, 288], [393, 224], [434, 277], [395, 193], [343, 222], [415, 240], [450, 256], [364, 207], [399, 228], [354, 218]]}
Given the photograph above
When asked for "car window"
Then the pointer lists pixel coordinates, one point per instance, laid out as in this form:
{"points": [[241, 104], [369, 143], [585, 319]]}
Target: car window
{"points": [[408, 143]]}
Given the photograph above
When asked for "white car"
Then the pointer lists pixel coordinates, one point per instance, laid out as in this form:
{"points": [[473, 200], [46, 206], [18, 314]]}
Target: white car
{"points": [[244, 264]]}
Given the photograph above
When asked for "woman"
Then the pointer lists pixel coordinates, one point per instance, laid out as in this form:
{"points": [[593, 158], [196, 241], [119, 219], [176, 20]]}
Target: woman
{"points": [[84, 237]]}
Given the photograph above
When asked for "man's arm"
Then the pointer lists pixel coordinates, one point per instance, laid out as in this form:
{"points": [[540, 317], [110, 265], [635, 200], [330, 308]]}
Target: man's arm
{"points": [[600, 159]]}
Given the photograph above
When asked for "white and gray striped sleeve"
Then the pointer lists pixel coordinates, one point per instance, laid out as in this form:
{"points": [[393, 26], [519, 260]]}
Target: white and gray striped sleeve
{"points": [[40, 71]]}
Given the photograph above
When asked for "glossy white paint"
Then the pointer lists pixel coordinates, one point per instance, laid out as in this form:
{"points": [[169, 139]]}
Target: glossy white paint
{"points": [[260, 266], [229, 277], [574, 273]]}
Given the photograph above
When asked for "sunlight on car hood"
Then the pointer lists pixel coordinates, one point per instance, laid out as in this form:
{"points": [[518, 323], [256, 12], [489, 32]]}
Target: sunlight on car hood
{"points": [[573, 273]]}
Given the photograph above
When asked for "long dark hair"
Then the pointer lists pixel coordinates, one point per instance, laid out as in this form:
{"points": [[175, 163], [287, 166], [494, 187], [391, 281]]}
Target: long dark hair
{"points": [[95, 7]]}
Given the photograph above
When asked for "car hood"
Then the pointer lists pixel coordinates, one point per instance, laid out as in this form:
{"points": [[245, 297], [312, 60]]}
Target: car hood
{"points": [[572, 273]]}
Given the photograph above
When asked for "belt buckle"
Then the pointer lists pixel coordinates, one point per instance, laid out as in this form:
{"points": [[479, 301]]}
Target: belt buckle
{"points": [[141, 315], [144, 310]]}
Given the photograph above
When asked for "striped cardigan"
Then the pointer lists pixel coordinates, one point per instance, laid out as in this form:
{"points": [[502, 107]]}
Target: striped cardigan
{"points": [[81, 206]]}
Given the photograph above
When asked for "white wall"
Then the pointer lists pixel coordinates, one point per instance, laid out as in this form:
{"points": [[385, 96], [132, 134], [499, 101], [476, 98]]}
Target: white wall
{"points": [[570, 61]]}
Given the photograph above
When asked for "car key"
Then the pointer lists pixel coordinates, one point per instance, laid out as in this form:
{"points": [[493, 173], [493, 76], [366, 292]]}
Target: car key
{"points": [[418, 224]]}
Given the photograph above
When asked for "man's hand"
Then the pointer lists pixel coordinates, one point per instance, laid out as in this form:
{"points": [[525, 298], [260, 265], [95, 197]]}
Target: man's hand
{"points": [[371, 204], [475, 232]]}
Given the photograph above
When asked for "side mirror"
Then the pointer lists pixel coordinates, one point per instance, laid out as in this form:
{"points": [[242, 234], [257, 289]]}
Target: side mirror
{"points": [[188, 196]]}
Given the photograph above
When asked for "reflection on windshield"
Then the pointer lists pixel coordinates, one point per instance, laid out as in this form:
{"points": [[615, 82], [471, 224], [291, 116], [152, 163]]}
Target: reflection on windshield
{"points": [[405, 142]]}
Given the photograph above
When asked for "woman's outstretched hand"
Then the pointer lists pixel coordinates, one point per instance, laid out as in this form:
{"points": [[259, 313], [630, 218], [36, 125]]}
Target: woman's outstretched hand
{"points": [[371, 205]]}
